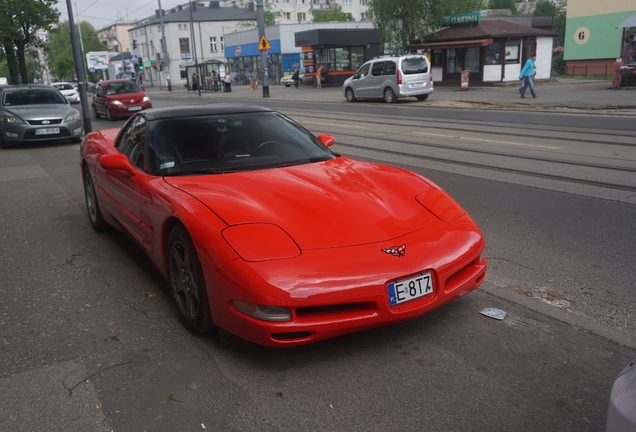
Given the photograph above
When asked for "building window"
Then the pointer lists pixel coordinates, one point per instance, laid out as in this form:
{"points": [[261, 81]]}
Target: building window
{"points": [[315, 1], [363, 2], [212, 43], [222, 43], [346, 2], [493, 53], [300, 1], [185, 26], [512, 52], [288, 16], [302, 16]]}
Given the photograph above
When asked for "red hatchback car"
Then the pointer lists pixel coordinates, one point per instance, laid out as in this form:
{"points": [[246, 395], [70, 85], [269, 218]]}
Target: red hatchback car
{"points": [[118, 98]]}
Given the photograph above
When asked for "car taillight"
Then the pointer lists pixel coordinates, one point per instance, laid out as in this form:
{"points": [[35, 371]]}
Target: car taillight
{"points": [[431, 77], [399, 77]]}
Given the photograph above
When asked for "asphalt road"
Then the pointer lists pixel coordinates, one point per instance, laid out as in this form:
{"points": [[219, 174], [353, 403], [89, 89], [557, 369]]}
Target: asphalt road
{"points": [[91, 342]]}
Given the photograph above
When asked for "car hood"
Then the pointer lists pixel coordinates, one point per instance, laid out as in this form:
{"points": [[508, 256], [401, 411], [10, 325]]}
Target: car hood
{"points": [[35, 112], [124, 98], [336, 203], [68, 92]]}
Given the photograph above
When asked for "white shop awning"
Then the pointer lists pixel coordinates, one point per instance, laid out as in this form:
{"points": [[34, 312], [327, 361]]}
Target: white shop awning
{"points": [[629, 22]]}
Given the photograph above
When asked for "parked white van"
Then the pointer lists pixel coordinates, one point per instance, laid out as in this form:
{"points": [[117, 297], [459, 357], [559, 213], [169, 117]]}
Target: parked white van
{"points": [[390, 78]]}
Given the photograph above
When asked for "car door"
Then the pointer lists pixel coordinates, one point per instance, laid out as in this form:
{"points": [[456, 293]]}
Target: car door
{"points": [[360, 84], [124, 189], [98, 98], [376, 79]]}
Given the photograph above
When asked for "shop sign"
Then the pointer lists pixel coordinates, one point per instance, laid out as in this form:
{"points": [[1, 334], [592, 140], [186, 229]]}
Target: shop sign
{"points": [[461, 19], [237, 51]]}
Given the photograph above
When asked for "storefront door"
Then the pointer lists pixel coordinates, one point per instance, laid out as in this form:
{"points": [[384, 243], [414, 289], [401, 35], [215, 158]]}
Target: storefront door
{"points": [[459, 59]]}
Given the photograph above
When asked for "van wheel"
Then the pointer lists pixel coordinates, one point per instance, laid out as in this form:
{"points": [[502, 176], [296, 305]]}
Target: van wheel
{"points": [[109, 115], [350, 95], [422, 97], [389, 96], [95, 113]]}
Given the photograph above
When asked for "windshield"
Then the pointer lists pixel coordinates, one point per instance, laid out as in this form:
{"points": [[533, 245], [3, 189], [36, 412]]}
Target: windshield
{"points": [[231, 143], [32, 97], [414, 65], [121, 87]]}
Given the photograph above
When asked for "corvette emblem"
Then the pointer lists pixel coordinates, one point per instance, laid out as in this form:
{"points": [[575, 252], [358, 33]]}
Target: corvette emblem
{"points": [[398, 251]]}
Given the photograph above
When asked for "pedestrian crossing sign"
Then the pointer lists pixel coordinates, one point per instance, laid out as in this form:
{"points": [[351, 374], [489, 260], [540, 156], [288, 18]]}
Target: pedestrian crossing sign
{"points": [[264, 44]]}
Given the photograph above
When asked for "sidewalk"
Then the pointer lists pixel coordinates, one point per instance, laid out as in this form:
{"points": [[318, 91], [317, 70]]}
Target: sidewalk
{"points": [[561, 95]]}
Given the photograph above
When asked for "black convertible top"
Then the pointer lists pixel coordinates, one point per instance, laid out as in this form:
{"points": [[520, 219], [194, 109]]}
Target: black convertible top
{"points": [[200, 110]]}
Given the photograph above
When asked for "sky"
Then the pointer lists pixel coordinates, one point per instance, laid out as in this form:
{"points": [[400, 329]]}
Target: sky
{"points": [[102, 13]]}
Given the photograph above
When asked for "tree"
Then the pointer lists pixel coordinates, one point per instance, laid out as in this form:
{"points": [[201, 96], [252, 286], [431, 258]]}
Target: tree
{"points": [[544, 8], [19, 22], [503, 4], [60, 52], [401, 22], [332, 15], [269, 14]]}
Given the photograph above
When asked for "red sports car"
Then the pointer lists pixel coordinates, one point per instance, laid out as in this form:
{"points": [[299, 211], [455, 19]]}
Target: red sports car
{"points": [[263, 232]]}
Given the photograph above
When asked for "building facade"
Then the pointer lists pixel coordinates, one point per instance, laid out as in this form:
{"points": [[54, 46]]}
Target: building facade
{"points": [[592, 40], [115, 36]]}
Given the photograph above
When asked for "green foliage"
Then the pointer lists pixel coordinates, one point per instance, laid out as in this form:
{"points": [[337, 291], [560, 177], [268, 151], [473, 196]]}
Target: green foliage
{"points": [[269, 15], [503, 4], [332, 15], [558, 64], [559, 25], [544, 8], [60, 52], [402, 22]]}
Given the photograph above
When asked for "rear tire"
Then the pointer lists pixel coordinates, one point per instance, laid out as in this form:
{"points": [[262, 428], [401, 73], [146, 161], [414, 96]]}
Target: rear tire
{"points": [[187, 284], [350, 95], [96, 114], [389, 96], [422, 97]]}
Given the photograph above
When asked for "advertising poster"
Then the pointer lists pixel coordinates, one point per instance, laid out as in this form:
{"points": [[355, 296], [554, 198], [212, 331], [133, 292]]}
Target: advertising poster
{"points": [[309, 62]]}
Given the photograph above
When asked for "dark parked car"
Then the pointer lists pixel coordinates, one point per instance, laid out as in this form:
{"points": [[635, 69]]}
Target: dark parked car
{"points": [[37, 113], [118, 98]]}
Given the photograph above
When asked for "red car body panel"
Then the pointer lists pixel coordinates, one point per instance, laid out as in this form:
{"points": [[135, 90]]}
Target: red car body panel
{"points": [[294, 237]]}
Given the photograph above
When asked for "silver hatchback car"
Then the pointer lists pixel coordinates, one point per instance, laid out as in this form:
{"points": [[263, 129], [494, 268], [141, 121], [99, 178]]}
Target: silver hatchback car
{"points": [[390, 78], [37, 113]]}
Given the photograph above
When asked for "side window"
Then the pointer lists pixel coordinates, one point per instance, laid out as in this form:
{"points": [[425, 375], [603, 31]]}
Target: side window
{"points": [[99, 90], [364, 70], [377, 68], [389, 68], [132, 141]]}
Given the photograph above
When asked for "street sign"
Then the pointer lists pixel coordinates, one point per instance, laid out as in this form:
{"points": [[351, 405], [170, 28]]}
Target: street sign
{"points": [[186, 56], [264, 44], [134, 58], [92, 70]]}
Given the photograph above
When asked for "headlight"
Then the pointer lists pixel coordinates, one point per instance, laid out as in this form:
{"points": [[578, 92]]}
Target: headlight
{"points": [[11, 119], [73, 116], [145, 99], [115, 102], [267, 313]]}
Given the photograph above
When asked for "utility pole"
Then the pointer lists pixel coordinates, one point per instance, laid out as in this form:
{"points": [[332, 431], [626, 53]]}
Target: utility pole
{"points": [[152, 84], [79, 68], [194, 48], [164, 46], [260, 17]]}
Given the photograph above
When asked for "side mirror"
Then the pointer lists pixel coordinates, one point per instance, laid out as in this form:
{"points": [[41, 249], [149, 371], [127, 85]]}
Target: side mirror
{"points": [[326, 139], [117, 161]]}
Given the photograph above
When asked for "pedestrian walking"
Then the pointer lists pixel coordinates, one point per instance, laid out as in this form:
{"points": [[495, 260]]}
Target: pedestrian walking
{"points": [[228, 82], [215, 80], [194, 83], [233, 77], [617, 74], [527, 75], [319, 77], [296, 77], [254, 82]]}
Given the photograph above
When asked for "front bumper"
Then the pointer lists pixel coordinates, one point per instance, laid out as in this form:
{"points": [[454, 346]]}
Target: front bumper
{"points": [[337, 291], [15, 133]]}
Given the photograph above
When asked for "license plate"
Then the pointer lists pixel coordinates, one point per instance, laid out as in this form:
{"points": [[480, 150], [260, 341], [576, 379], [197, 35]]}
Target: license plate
{"points": [[134, 108], [416, 85], [47, 131], [410, 289]]}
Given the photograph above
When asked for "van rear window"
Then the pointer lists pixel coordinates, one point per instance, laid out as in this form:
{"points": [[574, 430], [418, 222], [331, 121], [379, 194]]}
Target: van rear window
{"points": [[414, 65]]}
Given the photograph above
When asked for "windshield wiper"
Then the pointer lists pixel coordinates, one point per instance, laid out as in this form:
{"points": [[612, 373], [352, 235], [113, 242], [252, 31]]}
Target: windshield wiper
{"points": [[198, 171]]}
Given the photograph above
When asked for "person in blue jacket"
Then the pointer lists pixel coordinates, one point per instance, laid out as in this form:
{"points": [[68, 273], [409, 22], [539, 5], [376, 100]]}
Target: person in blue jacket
{"points": [[527, 75]]}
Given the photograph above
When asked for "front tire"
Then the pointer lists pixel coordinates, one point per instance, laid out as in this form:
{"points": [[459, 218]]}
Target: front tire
{"points": [[3, 143], [350, 95], [187, 284], [109, 115], [92, 205], [422, 97], [389, 96]]}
